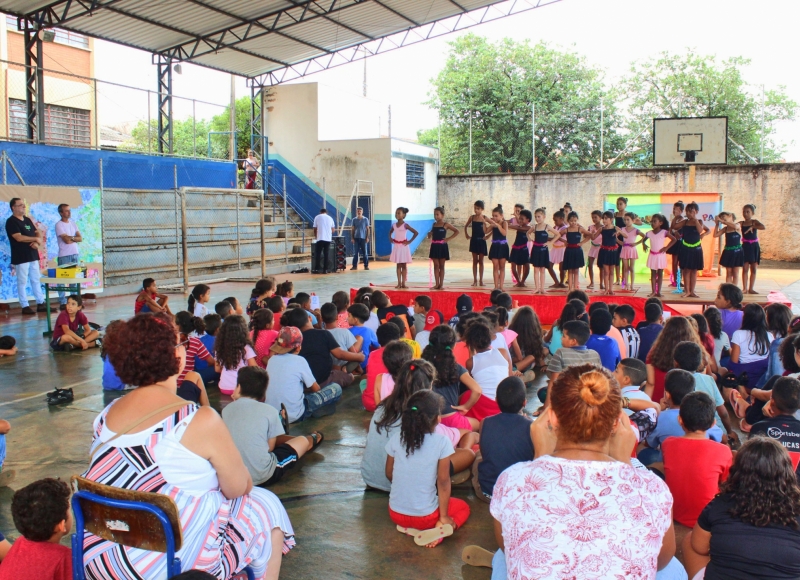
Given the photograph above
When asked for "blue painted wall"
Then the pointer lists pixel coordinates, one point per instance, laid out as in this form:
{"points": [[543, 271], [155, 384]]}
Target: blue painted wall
{"points": [[66, 166]]}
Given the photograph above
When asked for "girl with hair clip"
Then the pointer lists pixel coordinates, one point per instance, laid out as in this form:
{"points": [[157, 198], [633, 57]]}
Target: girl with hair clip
{"points": [[732, 257], [594, 250], [660, 243], [540, 255], [418, 464], [233, 350], [440, 251], [750, 247], [557, 251], [576, 236], [608, 257], [675, 249], [477, 241], [200, 295], [401, 253], [520, 257], [693, 231], [498, 253], [619, 222], [628, 254]]}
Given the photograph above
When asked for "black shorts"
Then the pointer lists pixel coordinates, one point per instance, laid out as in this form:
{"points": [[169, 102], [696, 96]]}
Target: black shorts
{"points": [[285, 458]]}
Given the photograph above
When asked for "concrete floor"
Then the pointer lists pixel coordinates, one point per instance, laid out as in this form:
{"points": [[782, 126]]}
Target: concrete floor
{"points": [[342, 530]]}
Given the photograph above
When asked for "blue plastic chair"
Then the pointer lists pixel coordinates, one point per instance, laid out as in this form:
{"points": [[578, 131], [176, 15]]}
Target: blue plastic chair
{"points": [[143, 520]]}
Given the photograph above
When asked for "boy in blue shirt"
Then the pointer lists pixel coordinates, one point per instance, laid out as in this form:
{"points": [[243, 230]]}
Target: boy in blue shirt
{"points": [[650, 329], [358, 314], [605, 346]]}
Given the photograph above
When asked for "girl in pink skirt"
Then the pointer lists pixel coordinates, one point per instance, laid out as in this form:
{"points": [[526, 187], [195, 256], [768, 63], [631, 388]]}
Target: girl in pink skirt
{"points": [[660, 241], [401, 253], [557, 251], [628, 255], [596, 229]]}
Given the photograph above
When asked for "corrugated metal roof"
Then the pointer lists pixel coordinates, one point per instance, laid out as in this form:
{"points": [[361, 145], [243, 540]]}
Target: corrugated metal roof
{"points": [[244, 38]]}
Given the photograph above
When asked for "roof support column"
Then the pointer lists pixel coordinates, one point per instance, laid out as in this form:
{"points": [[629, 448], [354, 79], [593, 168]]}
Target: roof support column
{"points": [[34, 82], [258, 141], [165, 142]]}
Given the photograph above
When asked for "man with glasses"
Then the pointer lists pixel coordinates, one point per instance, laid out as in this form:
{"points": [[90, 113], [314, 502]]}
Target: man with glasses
{"points": [[68, 238], [25, 241]]}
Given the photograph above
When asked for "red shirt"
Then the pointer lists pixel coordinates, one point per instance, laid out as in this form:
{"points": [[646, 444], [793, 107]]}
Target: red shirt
{"points": [[694, 468], [461, 353], [341, 320], [266, 338], [658, 384], [63, 318], [375, 367], [194, 349], [139, 304], [37, 561]]}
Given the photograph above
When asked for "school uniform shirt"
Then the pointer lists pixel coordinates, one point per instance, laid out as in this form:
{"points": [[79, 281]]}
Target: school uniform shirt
{"points": [[631, 339], [63, 320], [570, 357], [747, 347], [229, 377], [370, 341], [194, 350], [252, 424], [693, 470], [414, 475], [607, 348], [668, 426], [783, 428], [345, 339], [741, 551], [647, 336], [27, 560], [316, 349], [289, 374]]}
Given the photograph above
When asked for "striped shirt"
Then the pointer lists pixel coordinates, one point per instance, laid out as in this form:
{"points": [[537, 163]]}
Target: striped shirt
{"points": [[194, 350], [566, 357], [631, 339]]}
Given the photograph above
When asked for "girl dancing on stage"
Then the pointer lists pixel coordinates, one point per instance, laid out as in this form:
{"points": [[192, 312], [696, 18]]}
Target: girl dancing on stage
{"points": [[657, 260], [675, 249], [520, 256], [629, 254], [498, 253], [619, 221], [477, 241], [440, 252], [751, 247], [573, 255], [557, 252], [691, 257], [732, 256], [540, 255], [595, 229], [401, 253], [607, 258]]}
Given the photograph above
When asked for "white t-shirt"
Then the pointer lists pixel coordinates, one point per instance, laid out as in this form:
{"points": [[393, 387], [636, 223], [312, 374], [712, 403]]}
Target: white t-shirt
{"points": [[288, 374], [69, 228], [746, 341], [720, 343], [200, 310], [345, 339], [373, 323], [581, 519], [423, 337], [228, 377], [499, 342], [414, 476], [324, 224]]}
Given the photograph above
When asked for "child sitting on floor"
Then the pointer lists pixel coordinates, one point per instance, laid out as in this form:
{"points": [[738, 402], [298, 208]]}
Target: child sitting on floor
{"points": [[236, 306], [42, 514], [277, 306], [486, 365], [268, 452], [344, 338], [207, 371], [262, 335], [69, 323], [263, 291], [8, 346], [358, 314], [623, 321], [341, 300], [432, 319], [418, 465], [304, 300], [386, 333], [395, 355], [506, 438], [631, 374], [111, 382], [232, 351], [419, 310], [149, 300], [600, 342], [224, 309], [694, 466], [573, 352]]}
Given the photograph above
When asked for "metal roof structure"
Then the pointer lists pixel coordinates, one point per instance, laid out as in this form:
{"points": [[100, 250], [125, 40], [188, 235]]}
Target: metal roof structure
{"points": [[268, 41]]}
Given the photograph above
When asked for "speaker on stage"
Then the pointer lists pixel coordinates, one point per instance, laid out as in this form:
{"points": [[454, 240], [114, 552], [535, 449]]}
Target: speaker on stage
{"points": [[340, 251], [330, 258]]}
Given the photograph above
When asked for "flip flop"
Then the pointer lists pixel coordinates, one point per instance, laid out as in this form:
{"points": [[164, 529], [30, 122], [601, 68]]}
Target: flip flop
{"points": [[319, 439], [407, 531], [425, 537], [477, 556], [460, 477], [734, 399], [744, 426]]}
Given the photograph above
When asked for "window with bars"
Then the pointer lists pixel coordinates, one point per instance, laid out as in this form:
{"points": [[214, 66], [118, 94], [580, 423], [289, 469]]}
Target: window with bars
{"points": [[59, 35], [62, 125], [415, 174]]}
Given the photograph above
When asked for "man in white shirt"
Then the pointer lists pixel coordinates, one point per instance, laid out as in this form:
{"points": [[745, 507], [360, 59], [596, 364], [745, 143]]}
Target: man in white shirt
{"points": [[324, 226], [68, 237]]}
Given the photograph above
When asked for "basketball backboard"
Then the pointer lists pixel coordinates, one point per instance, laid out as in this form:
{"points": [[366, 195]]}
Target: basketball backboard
{"points": [[698, 140]]}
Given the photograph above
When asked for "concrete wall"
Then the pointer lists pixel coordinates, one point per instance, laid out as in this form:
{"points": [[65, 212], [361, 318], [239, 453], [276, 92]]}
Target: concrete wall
{"points": [[775, 189]]}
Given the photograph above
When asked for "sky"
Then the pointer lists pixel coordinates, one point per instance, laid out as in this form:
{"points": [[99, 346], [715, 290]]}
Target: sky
{"points": [[610, 33]]}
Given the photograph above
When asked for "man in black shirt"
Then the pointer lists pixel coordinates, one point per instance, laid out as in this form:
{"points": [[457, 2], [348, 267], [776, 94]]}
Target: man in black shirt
{"points": [[318, 346], [25, 241], [782, 425]]}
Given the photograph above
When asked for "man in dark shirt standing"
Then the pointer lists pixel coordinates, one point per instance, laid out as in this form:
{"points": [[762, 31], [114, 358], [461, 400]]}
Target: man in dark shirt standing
{"points": [[782, 425], [25, 241]]}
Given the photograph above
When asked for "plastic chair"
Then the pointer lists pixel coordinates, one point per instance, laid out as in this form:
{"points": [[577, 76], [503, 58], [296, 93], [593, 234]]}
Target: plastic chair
{"points": [[149, 521]]}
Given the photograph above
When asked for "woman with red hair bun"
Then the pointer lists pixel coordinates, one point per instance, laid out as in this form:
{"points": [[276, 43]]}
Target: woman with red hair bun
{"points": [[152, 440]]}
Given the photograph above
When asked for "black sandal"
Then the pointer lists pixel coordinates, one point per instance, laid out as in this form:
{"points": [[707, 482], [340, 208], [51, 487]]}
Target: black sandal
{"points": [[284, 419], [318, 437]]}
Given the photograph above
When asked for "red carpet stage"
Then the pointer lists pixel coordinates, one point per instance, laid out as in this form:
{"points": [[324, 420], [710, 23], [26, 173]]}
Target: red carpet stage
{"points": [[547, 307]]}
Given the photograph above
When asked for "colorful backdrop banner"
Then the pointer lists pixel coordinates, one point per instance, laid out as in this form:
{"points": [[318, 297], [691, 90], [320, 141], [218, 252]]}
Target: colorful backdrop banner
{"points": [[646, 204]]}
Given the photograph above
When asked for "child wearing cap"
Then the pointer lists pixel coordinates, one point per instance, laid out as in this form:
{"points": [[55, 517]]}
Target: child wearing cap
{"points": [[293, 383], [433, 318], [463, 305]]}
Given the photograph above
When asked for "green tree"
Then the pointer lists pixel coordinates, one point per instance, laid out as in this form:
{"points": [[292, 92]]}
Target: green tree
{"points": [[222, 122], [693, 85], [493, 86]]}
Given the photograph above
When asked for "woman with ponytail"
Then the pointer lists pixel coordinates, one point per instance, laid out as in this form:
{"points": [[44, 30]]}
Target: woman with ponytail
{"points": [[580, 486]]}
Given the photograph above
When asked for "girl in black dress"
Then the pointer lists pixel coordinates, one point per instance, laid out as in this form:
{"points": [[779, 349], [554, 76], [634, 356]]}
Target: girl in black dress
{"points": [[540, 255], [576, 236], [608, 257], [750, 247], [440, 252], [498, 253], [675, 249], [691, 256], [732, 256], [477, 241], [519, 257]]}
